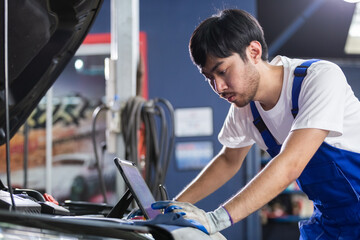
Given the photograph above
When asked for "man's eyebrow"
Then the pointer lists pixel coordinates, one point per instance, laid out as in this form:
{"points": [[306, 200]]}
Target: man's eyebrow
{"points": [[216, 66], [213, 68]]}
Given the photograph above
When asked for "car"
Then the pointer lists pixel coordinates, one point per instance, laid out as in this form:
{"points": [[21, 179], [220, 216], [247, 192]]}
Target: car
{"points": [[74, 176]]}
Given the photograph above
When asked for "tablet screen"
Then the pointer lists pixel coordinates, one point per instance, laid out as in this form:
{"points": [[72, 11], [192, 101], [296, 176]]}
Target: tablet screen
{"points": [[138, 187]]}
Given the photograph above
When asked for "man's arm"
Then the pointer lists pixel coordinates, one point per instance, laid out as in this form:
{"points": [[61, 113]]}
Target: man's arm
{"points": [[282, 170], [223, 167]]}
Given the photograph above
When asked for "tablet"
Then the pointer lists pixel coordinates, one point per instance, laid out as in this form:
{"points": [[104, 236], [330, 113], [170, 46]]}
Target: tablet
{"points": [[138, 187]]}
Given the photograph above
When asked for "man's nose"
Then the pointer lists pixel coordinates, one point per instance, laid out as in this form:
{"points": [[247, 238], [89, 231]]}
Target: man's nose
{"points": [[219, 85]]}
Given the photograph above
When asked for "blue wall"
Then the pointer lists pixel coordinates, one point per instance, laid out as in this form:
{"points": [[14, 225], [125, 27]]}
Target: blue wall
{"points": [[169, 25]]}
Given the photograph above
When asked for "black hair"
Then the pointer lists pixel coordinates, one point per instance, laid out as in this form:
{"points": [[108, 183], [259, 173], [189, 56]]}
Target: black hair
{"points": [[228, 32]]}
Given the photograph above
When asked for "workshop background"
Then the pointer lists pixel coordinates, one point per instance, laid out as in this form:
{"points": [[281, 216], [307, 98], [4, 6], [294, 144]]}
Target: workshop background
{"points": [[295, 28]]}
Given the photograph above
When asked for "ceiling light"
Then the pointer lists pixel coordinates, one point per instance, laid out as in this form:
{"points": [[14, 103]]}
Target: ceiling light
{"points": [[352, 45], [79, 64]]}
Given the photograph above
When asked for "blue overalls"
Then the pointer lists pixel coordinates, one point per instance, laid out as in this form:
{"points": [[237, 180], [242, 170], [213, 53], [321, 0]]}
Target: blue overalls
{"points": [[331, 180]]}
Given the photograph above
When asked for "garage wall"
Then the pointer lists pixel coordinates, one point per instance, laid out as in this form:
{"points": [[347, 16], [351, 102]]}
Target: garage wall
{"points": [[169, 25]]}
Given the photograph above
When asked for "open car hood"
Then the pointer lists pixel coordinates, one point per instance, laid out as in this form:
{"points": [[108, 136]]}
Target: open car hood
{"points": [[43, 35]]}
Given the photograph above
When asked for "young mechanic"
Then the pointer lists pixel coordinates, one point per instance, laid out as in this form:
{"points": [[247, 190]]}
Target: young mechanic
{"points": [[308, 119]]}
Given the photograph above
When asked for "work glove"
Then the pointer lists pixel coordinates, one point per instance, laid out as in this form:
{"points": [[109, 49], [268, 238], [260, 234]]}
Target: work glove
{"points": [[208, 222]]}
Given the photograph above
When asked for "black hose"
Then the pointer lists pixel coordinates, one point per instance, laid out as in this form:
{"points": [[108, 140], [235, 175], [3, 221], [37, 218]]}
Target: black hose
{"points": [[162, 145], [97, 161], [130, 124], [171, 144], [157, 116]]}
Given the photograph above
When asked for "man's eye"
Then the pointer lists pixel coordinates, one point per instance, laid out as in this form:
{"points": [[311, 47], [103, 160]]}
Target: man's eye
{"points": [[222, 72]]}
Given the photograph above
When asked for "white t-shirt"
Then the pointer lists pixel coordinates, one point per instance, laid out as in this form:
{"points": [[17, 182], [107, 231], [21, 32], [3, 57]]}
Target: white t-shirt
{"points": [[326, 101]]}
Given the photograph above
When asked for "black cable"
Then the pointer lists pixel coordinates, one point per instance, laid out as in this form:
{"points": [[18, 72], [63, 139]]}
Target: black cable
{"points": [[6, 23], [159, 140], [130, 125], [171, 144], [149, 146], [97, 161], [162, 145], [152, 146], [166, 140]]}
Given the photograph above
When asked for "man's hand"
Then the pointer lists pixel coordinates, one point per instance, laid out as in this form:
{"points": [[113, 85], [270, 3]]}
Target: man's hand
{"points": [[208, 222]]}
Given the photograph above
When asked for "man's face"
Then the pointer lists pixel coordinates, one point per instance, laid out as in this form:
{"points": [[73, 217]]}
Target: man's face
{"points": [[232, 78]]}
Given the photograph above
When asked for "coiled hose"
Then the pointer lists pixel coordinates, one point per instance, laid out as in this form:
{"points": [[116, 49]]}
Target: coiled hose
{"points": [[157, 118]]}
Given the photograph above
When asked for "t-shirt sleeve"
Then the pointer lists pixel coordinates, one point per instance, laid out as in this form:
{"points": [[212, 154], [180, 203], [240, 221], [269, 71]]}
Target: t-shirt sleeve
{"points": [[233, 133], [321, 99]]}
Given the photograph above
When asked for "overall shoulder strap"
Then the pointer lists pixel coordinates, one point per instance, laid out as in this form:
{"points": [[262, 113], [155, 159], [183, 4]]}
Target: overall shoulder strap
{"points": [[273, 147], [270, 142], [299, 75]]}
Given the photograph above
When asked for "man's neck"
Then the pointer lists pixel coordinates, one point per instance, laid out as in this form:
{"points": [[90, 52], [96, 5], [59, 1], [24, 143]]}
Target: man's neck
{"points": [[270, 86]]}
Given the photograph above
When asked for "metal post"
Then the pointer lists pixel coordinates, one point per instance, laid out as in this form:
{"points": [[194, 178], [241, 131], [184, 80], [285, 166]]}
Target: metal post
{"points": [[122, 68]]}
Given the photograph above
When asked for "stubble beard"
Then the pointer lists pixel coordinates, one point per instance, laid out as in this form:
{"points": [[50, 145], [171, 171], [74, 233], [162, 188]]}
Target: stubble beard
{"points": [[253, 83]]}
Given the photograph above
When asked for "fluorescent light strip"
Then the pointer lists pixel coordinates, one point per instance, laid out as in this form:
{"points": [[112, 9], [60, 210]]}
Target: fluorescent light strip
{"points": [[352, 45]]}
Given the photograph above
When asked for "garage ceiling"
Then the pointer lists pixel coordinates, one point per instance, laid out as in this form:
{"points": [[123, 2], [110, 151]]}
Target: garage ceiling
{"points": [[307, 28]]}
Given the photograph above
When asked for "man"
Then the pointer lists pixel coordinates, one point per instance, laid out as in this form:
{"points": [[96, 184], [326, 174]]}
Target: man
{"points": [[307, 118]]}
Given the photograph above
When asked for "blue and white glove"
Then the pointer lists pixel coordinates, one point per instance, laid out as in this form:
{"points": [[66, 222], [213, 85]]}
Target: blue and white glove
{"points": [[208, 222]]}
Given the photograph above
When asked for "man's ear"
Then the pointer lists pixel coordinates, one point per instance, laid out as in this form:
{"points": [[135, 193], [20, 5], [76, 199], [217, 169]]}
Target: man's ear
{"points": [[254, 51]]}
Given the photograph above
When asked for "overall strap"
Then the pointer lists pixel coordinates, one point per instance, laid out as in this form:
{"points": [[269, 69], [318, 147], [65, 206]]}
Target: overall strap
{"points": [[273, 147], [270, 142], [299, 73]]}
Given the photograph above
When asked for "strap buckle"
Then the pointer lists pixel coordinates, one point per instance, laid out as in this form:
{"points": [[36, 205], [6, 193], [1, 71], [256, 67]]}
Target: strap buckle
{"points": [[300, 71]]}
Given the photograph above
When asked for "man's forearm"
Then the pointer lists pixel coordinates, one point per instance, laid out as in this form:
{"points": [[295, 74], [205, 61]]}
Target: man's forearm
{"points": [[223, 167], [297, 151], [262, 189]]}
